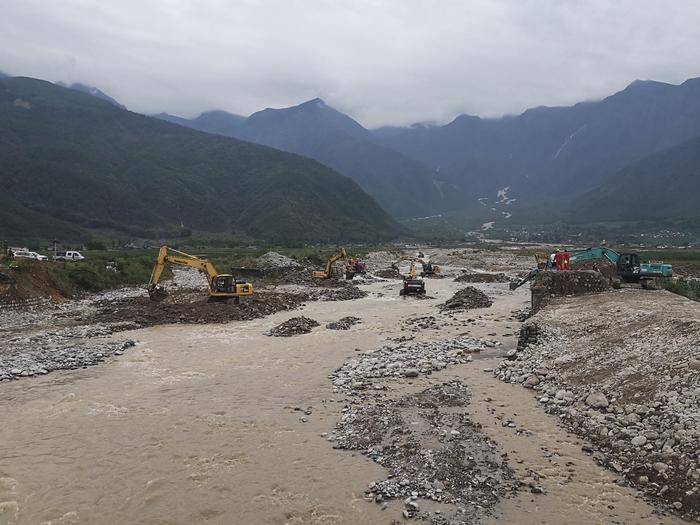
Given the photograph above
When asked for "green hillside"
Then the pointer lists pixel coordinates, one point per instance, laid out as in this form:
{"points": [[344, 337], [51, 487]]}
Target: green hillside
{"points": [[70, 161], [665, 185]]}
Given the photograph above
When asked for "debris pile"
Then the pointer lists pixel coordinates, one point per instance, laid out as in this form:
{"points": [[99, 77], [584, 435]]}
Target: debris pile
{"points": [[388, 273], [400, 359], [482, 277], [277, 260], [426, 440], [424, 322], [344, 324], [64, 349], [189, 279], [623, 372], [432, 450], [344, 293], [551, 284], [194, 309], [466, 299], [294, 326]]}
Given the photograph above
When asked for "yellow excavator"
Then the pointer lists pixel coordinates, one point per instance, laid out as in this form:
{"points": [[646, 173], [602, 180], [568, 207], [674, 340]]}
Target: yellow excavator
{"points": [[412, 285], [327, 272], [427, 268], [352, 266], [222, 287]]}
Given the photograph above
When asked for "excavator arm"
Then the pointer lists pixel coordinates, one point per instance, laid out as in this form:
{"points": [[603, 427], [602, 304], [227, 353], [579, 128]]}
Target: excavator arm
{"points": [[427, 267], [220, 286], [326, 273], [158, 269], [599, 252], [181, 259]]}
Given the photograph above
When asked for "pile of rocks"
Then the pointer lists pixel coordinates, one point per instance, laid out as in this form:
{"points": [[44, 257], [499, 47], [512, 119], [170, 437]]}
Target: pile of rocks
{"points": [[549, 285], [189, 279], [294, 326], [625, 374], [466, 299], [344, 323], [345, 293], [64, 349], [432, 450], [277, 260], [482, 277], [388, 273], [404, 359], [423, 322]]}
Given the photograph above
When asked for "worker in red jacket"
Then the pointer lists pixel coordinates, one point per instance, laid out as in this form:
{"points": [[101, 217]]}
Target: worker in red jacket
{"points": [[565, 260], [559, 260]]}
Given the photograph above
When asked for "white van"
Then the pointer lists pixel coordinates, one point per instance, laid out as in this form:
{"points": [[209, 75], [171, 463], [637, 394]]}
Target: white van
{"points": [[68, 256], [26, 254]]}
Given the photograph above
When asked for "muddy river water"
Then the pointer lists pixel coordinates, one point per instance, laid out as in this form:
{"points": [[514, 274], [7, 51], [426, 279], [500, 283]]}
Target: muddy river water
{"points": [[223, 424]]}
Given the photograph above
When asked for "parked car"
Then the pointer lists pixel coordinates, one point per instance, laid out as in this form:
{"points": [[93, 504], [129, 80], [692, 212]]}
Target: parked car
{"points": [[29, 255], [68, 256]]}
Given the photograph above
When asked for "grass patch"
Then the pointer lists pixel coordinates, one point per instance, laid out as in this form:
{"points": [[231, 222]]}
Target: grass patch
{"points": [[101, 271], [689, 288]]}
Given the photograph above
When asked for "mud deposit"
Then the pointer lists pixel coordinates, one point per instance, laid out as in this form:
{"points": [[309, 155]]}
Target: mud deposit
{"points": [[194, 309], [432, 451]]}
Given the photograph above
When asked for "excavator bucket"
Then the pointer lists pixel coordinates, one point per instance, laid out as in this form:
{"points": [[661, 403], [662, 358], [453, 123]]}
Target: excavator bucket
{"points": [[157, 294]]}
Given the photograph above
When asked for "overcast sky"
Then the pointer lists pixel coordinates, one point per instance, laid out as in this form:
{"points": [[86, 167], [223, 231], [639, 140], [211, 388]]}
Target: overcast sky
{"points": [[380, 61]]}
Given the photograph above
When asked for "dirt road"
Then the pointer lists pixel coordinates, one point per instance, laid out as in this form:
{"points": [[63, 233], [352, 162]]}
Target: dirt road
{"points": [[223, 424]]}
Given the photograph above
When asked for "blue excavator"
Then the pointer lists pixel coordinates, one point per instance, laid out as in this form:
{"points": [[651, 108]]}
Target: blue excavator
{"points": [[628, 266]]}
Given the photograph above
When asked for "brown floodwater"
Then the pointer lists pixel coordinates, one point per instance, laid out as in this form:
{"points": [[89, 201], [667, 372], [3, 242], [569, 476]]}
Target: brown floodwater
{"points": [[209, 424]]}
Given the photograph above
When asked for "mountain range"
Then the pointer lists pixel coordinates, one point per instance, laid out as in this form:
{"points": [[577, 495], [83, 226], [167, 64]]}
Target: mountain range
{"points": [[402, 186], [499, 167], [628, 157], [71, 162]]}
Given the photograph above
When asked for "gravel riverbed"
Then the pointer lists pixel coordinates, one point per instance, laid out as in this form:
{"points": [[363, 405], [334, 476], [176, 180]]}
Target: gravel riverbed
{"points": [[439, 463]]}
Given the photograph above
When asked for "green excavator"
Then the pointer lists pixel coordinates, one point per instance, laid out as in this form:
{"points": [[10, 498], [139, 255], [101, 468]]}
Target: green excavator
{"points": [[628, 266]]}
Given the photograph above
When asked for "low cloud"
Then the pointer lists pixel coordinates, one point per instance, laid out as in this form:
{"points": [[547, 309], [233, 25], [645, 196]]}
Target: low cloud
{"points": [[383, 62]]}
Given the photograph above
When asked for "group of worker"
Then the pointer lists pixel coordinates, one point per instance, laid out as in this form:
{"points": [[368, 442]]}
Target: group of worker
{"points": [[560, 260]]}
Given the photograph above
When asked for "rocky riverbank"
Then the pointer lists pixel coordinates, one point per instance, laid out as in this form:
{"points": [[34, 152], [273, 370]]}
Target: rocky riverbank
{"points": [[622, 369]]}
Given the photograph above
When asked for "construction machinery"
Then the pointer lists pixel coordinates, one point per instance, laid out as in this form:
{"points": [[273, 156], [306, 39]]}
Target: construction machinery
{"points": [[427, 268], [628, 267], [352, 266], [355, 267], [222, 287], [412, 284]]}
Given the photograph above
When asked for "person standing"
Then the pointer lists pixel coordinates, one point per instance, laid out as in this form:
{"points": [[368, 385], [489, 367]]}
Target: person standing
{"points": [[559, 260], [565, 260]]}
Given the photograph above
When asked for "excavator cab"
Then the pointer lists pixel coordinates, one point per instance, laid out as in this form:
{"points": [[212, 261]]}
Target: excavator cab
{"points": [[355, 267], [629, 267], [412, 284], [429, 268], [223, 283]]}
